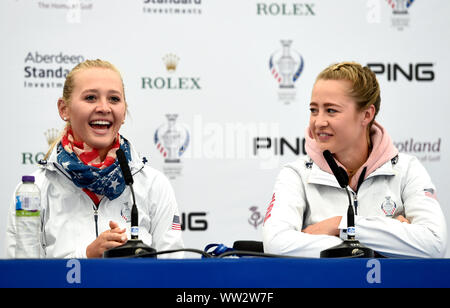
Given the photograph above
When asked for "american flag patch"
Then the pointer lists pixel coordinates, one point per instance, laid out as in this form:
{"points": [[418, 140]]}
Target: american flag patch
{"points": [[430, 192], [176, 225]]}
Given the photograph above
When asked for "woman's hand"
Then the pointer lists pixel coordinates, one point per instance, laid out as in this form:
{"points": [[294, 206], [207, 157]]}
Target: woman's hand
{"points": [[109, 239], [402, 219], [328, 226]]}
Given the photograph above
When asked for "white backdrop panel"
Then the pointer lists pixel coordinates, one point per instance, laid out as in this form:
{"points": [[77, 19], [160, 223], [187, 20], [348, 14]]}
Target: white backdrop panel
{"points": [[222, 89]]}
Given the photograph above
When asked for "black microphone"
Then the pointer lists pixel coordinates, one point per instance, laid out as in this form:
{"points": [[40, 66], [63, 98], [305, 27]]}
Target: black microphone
{"points": [[342, 177], [339, 173], [350, 247], [133, 247], [123, 162]]}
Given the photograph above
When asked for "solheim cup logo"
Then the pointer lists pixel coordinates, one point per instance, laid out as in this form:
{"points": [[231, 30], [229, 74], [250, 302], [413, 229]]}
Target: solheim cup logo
{"points": [[171, 139], [400, 18], [286, 66], [400, 6], [388, 207]]}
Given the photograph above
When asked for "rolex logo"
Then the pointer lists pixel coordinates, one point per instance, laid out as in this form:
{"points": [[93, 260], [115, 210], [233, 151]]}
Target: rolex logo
{"points": [[171, 62], [172, 79], [51, 135]]}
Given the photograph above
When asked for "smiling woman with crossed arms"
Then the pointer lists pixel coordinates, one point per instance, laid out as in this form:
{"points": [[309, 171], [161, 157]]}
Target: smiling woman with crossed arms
{"points": [[398, 214]]}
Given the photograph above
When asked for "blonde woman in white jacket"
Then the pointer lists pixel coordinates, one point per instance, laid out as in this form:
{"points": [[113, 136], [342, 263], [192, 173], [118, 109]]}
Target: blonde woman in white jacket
{"points": [[85, 202], [397, 212]]}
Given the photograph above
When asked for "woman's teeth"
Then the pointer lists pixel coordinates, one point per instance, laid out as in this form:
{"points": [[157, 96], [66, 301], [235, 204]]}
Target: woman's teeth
{"points": [[100, 123]]}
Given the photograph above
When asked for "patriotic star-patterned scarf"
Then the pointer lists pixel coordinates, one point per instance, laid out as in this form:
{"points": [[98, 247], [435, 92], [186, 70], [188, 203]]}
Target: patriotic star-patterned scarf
{"points": [[95, 177]]}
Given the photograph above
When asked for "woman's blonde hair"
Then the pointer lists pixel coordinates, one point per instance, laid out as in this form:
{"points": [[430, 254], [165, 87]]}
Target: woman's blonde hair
{"points": [[69, 85], [365, 88]]}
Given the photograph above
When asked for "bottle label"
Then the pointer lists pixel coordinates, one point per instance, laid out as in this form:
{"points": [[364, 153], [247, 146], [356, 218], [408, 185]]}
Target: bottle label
{"points": [[24, 213], [27, 206]]}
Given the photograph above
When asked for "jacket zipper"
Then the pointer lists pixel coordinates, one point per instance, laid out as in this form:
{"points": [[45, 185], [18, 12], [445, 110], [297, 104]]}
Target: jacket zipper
{"points": [[94, 206], [355, 202], [96, 220], [360, 181]]}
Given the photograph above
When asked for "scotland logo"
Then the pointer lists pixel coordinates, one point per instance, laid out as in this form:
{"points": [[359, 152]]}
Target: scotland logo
{"points": [[286, 67], [171, 139], [255, 218]]}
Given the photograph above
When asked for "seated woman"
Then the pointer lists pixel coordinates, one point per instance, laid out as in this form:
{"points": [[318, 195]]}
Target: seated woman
{"points": [[397, 213], [85, 202]]}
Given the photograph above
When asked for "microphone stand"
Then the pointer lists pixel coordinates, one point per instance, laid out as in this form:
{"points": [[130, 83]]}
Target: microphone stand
{"points": [[134, 247], [350, 247]]}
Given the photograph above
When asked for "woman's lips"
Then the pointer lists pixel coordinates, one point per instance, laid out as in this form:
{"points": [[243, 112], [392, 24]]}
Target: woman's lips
{"points": [[323, 137], [100, 127]]}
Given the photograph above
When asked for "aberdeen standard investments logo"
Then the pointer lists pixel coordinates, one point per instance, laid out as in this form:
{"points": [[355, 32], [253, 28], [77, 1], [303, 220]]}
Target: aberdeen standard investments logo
{"points": [[43, 70], [286, 66], [171, 80], [172, 7]]}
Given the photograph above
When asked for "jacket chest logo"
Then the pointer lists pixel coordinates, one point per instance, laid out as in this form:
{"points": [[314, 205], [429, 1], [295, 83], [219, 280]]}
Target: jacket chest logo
{"points": [[388, 206], [125, 212]]}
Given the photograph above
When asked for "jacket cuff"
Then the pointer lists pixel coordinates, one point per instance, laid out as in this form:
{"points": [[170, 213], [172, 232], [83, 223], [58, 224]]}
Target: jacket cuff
{"points": [[80, 253]]}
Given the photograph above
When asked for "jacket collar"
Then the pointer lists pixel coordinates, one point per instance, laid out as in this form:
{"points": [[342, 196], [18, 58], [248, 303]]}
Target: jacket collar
{"points": [[383, 151], [321, 177]]}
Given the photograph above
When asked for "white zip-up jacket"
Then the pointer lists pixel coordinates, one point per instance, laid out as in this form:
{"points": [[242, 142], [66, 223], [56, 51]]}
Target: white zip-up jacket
{"points": [[306, 194], [68, 225]]}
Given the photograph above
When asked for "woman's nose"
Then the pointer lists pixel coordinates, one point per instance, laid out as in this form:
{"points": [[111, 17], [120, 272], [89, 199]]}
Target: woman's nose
{"points": [[321, 121], [103, 106]]}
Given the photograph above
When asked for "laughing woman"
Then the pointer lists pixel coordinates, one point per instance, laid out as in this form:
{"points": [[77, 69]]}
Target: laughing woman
{"points": [[398, 214], [81, 177]]}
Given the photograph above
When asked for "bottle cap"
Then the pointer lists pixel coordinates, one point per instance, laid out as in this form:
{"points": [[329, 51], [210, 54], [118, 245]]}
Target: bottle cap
{"points": [[28, 178]]}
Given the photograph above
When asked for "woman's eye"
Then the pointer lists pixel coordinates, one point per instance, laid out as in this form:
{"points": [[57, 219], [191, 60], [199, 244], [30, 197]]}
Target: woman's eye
{"points": [[115, 99], [329, 110], [313, 110], [90, 97]]}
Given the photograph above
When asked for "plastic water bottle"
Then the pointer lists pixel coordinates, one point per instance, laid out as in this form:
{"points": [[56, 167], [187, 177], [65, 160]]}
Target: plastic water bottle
{"points": [[28, 219]]}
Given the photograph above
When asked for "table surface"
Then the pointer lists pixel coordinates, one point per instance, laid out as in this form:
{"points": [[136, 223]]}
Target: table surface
{"points": [[226, 273]]}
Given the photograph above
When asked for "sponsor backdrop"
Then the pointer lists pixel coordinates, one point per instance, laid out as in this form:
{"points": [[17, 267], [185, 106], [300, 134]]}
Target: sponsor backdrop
{"points": [[218, 91]]}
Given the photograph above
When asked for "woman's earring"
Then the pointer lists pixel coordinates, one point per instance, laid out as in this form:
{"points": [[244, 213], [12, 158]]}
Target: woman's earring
{"points": [[65, 119]]}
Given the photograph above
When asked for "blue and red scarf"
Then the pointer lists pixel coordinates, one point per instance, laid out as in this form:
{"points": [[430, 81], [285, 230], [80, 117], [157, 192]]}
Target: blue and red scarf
{"points": [[95, 177]]}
